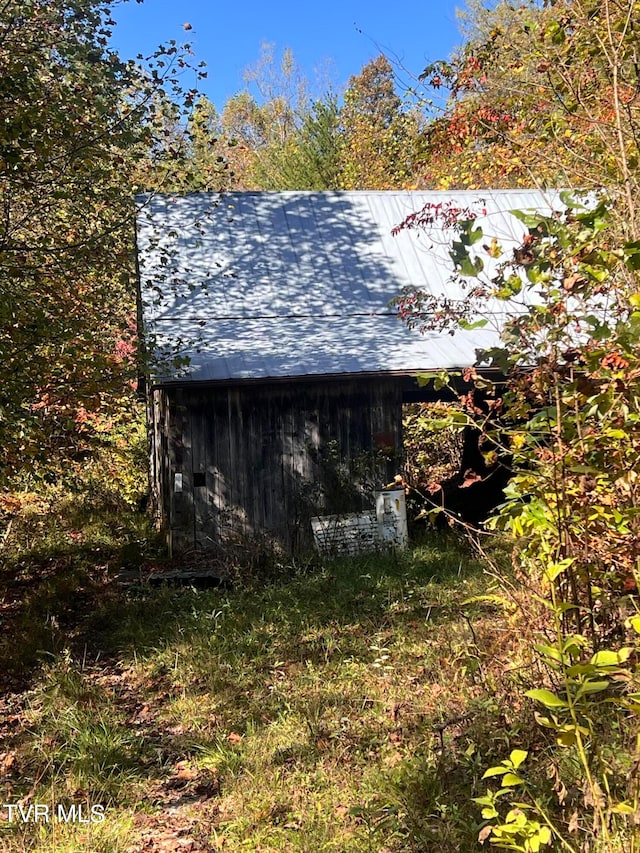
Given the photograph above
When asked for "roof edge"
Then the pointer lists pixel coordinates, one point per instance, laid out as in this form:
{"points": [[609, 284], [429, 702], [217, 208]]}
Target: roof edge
{"points": [[315, 377]]}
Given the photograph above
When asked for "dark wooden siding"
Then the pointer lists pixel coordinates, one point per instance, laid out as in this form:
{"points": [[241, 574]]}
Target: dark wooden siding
{"points": [[259, 459]]}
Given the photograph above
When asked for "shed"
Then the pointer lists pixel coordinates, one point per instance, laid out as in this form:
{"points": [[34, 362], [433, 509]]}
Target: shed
{"points": [[279, 365]]}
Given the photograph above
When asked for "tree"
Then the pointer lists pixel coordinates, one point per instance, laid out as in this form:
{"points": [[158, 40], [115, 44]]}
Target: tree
{"points": [[541, 94], [310, 159], [261, 123], [274, 135], [380, 141], [206, 165], [79, 125], [479, 140]]}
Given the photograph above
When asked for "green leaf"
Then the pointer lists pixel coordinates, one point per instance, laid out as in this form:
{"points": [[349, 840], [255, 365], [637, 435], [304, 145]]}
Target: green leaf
{"points": [[511, 779], [599, 275], [517, 757], [566, 739], [489, 812], [618, 434], [591, 687], [517, 817], [531, 220], [468, 234], [487, 800], [544, 834], [535, 276], [632, 260], [568, 199], [608, 658], [623, 808], [469, 326], [554, 569], [495, 771], [550, 652], [546, 698], [514, 283], [475, 235], [440, 379], [634, 622], [471, 266]]}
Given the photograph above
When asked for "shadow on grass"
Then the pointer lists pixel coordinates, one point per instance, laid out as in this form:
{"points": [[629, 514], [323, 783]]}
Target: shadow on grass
{"points": [[48, 597], [299, 598], [67, 599]]}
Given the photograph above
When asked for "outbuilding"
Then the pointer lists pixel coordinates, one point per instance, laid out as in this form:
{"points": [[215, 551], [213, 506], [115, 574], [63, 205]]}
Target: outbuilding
{"points": [[278, 363]]}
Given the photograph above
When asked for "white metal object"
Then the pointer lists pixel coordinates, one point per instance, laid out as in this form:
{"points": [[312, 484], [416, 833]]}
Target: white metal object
{"points": [[345, 535], [354, 533], [391, 512]]}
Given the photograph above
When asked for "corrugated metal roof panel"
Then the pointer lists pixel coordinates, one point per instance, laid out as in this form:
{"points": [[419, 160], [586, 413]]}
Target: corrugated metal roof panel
{"points": [[259, 285]]}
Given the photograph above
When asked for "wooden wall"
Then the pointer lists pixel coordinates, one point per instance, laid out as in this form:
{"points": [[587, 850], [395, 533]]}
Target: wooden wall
{"points": [[258, 458]]}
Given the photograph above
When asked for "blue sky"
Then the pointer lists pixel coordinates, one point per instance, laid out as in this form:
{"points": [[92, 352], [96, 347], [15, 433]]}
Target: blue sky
{"points": [[227, 35]]}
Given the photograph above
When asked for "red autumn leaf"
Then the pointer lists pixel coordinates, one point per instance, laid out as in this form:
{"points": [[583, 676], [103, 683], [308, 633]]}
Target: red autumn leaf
{"points": [[470, 477]]}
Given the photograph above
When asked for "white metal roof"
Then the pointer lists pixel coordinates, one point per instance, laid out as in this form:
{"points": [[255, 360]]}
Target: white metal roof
{"points": [[273, 285]]}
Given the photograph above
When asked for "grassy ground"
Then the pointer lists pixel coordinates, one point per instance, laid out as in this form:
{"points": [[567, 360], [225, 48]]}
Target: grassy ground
{"points": [[346, 707]]}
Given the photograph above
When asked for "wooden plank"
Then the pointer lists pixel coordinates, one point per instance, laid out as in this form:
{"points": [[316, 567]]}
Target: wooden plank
{"points": [[220, 460], [157, 441], [250, 457], [238, 475], [199, 466], [182, 521], [212, 478], [304, 414], [272, 463], [165, 460], [290, 488], [253, 415]]}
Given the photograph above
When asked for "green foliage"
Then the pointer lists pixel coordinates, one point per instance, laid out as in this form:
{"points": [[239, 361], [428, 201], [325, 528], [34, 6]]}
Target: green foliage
{"points": [[271, 135], [205, 166], [570, 418], [541, 93], [518, 830], [275, 136], [379, 136], [283, 133], [592, 696], [432, 444], [544, 92], [311, 158], [80, 130]]}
